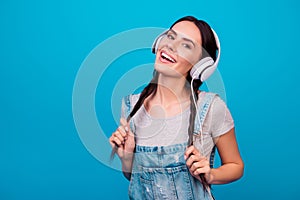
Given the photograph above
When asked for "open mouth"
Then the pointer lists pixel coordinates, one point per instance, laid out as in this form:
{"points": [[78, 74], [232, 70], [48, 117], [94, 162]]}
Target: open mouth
{"points": [[166, 58]]}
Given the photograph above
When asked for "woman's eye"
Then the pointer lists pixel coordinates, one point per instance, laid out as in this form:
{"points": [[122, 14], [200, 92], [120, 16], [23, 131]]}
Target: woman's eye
{"points": [[186, 46], [171, 37]]}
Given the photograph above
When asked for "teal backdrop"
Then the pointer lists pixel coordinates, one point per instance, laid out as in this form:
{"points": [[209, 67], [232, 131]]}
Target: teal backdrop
{"points": [[44, 43]]}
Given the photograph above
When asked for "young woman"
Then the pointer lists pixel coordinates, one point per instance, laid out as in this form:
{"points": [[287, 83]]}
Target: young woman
{"points": [[167, 143]]}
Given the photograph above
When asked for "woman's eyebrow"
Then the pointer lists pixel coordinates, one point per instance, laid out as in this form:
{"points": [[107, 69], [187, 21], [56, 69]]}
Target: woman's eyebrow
{"points": [[186, 39], [174, 32]]}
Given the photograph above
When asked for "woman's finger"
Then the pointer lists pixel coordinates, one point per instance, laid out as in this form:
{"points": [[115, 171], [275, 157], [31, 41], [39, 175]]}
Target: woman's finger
{"points": [[191, 150], [122, 131], [116, 139], [118, 135], [201, 170], [200, 164], [111, 141], [192, 158]]}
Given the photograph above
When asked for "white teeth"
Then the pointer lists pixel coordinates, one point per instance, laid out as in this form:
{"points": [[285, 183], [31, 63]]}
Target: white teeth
{"points": [[167, 57]]}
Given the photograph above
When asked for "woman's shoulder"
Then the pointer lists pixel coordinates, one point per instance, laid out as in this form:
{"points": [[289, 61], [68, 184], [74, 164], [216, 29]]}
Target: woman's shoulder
{"points": [[204, 95], [213, 99], [217, 105], [131, 99], [215, 96]]}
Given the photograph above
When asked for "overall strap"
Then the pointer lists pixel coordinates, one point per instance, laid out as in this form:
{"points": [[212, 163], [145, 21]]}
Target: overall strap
{"points": [[203, 108], [130, 101]]}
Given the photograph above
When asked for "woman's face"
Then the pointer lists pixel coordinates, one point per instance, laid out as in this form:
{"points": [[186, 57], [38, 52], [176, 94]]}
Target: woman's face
{"points": [[179, 49]]}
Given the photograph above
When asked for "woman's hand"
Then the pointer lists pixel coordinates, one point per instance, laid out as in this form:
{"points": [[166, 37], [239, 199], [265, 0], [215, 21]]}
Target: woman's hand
{"points": [[197, 163], [122, 140]]}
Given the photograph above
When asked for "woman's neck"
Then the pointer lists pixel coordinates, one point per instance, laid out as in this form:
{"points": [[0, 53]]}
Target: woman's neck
{"points": [[171, 90], [171, 97]]}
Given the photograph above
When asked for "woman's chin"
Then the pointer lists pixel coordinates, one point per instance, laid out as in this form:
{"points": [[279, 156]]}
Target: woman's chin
{"points": [[167, 70]]}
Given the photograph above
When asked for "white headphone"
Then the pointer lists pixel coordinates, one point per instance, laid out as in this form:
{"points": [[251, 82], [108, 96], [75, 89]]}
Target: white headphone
{"points": [[204, 67]]}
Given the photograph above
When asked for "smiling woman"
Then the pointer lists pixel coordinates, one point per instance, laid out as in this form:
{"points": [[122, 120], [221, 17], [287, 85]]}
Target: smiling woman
{"points": [[168, 141], [183, 49]]}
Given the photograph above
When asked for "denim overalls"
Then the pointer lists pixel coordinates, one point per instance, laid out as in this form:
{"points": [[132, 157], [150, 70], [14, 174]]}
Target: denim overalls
{"points": [[160, 172]]}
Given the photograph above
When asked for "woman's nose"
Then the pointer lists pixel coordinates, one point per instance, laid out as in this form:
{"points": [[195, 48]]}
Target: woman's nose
{"points": [[172, 46]]}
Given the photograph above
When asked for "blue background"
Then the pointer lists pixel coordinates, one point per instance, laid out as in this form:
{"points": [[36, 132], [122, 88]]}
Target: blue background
{"points": [[43, 44]]}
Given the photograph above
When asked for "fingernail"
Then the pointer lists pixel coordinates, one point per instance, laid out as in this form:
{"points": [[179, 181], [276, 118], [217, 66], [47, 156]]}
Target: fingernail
{"points": [[126, 128], [184, 157]]}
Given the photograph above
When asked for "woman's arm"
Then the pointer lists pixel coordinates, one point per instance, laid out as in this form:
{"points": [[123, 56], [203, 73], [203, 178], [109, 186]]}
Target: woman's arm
{"points": [[127, 166], [232, 167]]}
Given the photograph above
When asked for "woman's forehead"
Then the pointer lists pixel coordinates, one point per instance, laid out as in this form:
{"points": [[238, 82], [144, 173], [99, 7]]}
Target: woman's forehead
{"points": [[189, 30]]}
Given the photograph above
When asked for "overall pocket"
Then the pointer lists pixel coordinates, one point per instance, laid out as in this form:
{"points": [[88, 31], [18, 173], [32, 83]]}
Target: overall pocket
{"points": [[147, 189], [141, 185], [167, 183]]}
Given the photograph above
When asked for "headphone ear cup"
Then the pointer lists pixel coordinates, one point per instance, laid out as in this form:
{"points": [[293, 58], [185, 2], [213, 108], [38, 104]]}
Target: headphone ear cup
{"points": [[199, 69], [156, 44], [157, 41], [208, 72]]}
